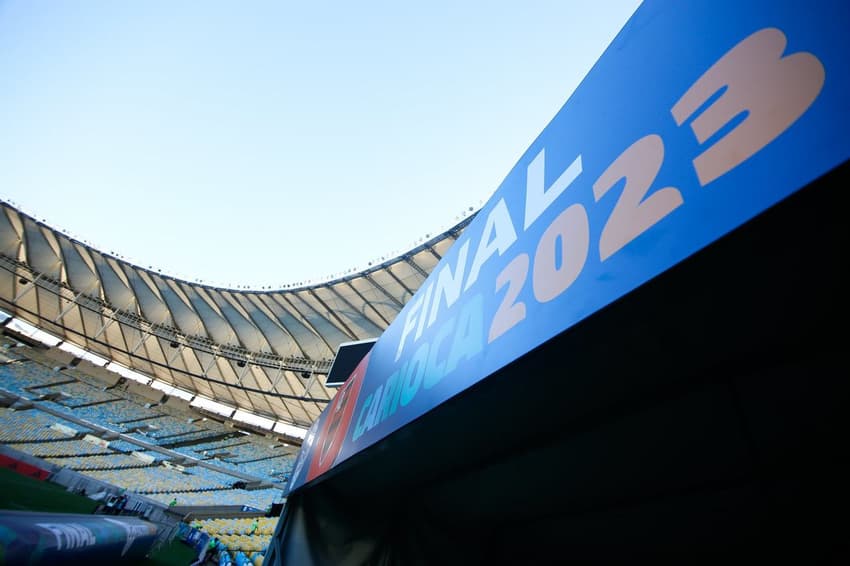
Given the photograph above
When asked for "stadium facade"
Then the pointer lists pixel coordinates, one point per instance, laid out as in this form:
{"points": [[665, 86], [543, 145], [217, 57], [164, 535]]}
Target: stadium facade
{"points": [[263, 352]]}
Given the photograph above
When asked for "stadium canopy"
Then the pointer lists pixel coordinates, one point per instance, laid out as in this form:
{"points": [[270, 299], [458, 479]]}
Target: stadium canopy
{"points": [[265, 352]]}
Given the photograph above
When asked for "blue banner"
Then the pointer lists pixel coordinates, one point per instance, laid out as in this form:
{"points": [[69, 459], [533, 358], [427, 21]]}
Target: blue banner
{"points": [[698, 117], [57, 538]]}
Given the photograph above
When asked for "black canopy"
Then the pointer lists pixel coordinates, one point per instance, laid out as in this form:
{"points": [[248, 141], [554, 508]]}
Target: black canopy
{"points": [[699, 417]]}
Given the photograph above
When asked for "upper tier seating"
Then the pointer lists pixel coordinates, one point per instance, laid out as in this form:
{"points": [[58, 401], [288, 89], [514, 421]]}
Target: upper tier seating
{"points": [[113, 414], [260, 499], [99, 462], [58, 441], [20, 377], [160, 479], [66, 447], [76, 393], [250, 451], [205, 449], [31, 426]]}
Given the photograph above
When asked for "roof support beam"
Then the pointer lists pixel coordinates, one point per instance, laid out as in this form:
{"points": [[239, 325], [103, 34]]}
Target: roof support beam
{"points": [[383, 291], [368, 303], [26, 287], [412, 263], [74, 302], [336, 317]]}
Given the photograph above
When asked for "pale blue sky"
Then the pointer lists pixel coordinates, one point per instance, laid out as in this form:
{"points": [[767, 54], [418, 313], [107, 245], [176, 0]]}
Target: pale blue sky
{"points": [[261, 143]]}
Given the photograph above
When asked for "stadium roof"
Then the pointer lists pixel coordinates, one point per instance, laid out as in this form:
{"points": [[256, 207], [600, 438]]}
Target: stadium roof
{"points": [[265, 352]]}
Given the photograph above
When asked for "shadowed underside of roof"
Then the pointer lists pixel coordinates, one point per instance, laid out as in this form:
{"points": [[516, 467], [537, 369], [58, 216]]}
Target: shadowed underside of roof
{"points": [[265, 352]]}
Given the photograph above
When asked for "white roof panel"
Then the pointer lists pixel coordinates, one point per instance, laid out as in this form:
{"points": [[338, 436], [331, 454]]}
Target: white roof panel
{"points": [[254, 350]]}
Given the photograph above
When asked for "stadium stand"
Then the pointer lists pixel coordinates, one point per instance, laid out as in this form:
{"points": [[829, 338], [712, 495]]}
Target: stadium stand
{"points": [[160, 479], [260, 499], [124, 446], [27, 379], [163, 427], [93, 375], [43, 379], [77, 394], [59, 448], [251, 451], [207, 449], [239, 536], [51, 358], [113, 414], [33, 426], [273, 469], [122, 463], [99, 462], [278, 389]]}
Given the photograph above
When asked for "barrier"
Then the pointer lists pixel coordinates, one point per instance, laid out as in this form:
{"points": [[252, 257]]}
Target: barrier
{"points": [[23, 468], [53, 538]]}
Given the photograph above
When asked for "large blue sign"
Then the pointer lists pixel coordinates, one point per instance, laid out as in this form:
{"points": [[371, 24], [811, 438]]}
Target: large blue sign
{"points": [[699, 116]]}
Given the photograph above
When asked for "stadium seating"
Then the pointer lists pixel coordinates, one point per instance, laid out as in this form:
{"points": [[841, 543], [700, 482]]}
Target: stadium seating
{"points": [[33, 426], [163, 426], [187, 437], [65, 447], [20, 377], [235, 534], [205, 449], [90, 379], [240, 526], [212, 476], [260, 499], [49, 358], [160, 479], [76, 394], [99, 462], [251, 451], [272, 469], [247, 454], [113, 414], [124, 446], [36, 432]]}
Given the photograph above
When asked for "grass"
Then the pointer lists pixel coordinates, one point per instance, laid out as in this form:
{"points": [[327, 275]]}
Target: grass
{"points": [[21, 493], [175, 553]]}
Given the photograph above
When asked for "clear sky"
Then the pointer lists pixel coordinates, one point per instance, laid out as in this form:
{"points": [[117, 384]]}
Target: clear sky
{"points": [[261, 143]]}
